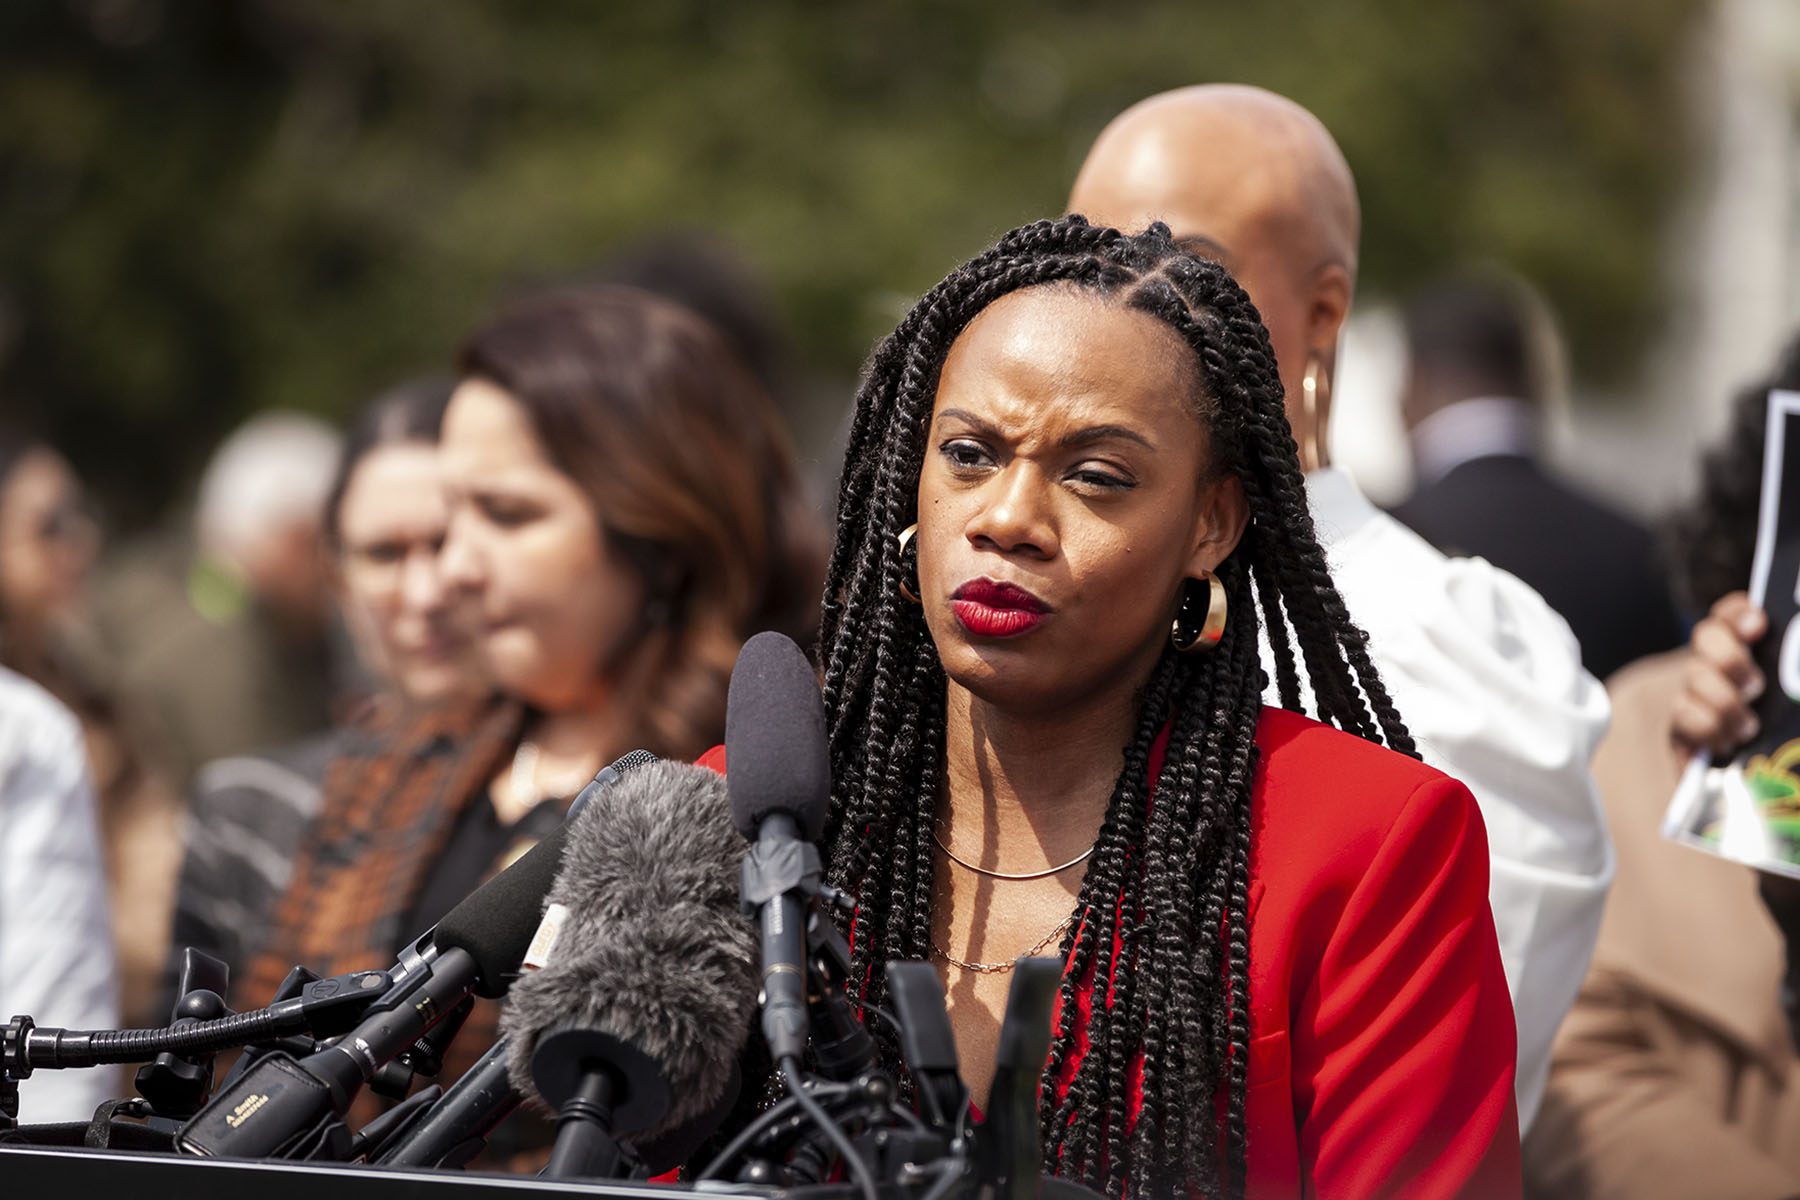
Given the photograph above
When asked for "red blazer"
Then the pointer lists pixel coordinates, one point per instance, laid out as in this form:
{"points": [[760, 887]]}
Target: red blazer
{"points": [[1382, 1041], [1381, 1023]]}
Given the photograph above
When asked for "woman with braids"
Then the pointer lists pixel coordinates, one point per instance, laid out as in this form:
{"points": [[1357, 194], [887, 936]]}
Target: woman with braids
{"points": [[623, 511], [1071, 509]]}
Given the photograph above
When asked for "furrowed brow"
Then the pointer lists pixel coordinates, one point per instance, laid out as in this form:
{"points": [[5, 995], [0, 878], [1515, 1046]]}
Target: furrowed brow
{"points": [[1106, 433], [980, 424], [1074, 440]]}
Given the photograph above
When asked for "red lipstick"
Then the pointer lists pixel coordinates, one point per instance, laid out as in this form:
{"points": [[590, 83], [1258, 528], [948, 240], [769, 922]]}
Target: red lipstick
{"points": [[998, 610]]}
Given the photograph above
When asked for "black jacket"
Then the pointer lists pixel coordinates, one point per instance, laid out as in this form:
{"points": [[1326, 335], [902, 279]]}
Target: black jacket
{"points": [[1596, 567]]}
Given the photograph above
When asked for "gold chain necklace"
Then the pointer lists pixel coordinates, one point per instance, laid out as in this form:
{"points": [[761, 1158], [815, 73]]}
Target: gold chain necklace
{"points": [[963, 862], [991, 968]]}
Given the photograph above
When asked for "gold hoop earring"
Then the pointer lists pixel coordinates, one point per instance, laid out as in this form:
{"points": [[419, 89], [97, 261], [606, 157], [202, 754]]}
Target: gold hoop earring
{"points": [[1312, 450], [905, 537], [1196, 636]]}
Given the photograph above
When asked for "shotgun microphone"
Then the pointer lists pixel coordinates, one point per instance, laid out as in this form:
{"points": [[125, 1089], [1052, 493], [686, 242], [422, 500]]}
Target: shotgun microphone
{"points": [[778, 774]]}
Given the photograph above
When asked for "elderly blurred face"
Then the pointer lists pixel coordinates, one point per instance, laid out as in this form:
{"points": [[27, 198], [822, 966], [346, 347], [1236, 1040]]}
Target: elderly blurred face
{"points": [[47, 542], [556, 603], [411, 628]]}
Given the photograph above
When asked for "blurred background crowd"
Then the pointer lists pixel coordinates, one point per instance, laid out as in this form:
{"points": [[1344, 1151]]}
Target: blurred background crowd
{"points": [[250, 251]]}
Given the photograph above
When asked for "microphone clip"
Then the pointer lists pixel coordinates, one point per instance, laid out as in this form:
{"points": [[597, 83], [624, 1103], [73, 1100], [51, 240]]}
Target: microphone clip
{"points": [[775, 866], [178, 1085]]}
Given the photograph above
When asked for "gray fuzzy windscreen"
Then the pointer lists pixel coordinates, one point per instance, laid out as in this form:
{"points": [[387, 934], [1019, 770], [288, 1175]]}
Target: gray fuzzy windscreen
{"points": [[654, 950]]}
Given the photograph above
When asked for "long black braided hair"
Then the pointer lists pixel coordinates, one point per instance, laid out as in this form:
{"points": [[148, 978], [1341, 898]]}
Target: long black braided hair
{"points": [[1167, 884]]}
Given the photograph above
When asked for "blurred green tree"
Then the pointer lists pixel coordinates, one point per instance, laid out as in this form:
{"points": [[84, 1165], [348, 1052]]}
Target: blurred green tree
{"points": [[210, 206]]}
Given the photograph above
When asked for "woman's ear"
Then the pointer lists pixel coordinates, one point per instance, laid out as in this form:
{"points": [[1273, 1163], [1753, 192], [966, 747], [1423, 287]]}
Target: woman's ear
{"points": [[1220, 523]]}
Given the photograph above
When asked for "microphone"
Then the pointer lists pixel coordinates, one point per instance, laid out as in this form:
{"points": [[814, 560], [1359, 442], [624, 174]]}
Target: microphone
{"points": [[1007, 1151], [283, 1107], [455, 1129], [606, 777], [927, 1042], [778, 774], [632, 1026]]}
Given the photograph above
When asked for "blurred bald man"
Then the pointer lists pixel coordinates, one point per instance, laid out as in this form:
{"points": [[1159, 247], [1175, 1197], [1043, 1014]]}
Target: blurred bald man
{"points": [[1488, 678]]}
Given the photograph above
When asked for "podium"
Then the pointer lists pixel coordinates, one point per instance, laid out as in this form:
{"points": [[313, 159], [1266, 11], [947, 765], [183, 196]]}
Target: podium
{"points": [[54, 1171]]}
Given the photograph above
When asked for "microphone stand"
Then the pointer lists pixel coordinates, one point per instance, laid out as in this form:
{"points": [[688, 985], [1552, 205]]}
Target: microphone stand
{"points": [[601, 1086], [321, 1008], [455, 1129], [1007, 1153], [944, 1154], [840, 1042], [848, 1095], [177, 1085], [781, 886]]}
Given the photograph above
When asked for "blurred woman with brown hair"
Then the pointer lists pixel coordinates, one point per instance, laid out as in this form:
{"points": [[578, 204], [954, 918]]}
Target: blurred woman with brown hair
{"points": [[626, 508], [383, 523], [624, 512]]}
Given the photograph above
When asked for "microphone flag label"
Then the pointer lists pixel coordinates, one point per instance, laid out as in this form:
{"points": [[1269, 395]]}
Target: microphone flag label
{"points": [[543, 942]]}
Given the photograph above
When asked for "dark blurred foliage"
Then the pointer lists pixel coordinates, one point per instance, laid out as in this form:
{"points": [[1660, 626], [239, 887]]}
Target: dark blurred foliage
{"points": [[210, 207]]}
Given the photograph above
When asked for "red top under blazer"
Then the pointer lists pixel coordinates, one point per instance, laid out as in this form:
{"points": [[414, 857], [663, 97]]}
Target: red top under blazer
{"points": [[1381, 1030]]}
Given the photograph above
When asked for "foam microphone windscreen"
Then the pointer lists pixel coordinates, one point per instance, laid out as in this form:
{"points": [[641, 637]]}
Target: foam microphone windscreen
{"points": [[651, 948], [496, 921], [777, 758]]}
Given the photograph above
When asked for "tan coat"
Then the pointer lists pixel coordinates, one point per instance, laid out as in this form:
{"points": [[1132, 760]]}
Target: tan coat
{"points": [[1674, 1075]]}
